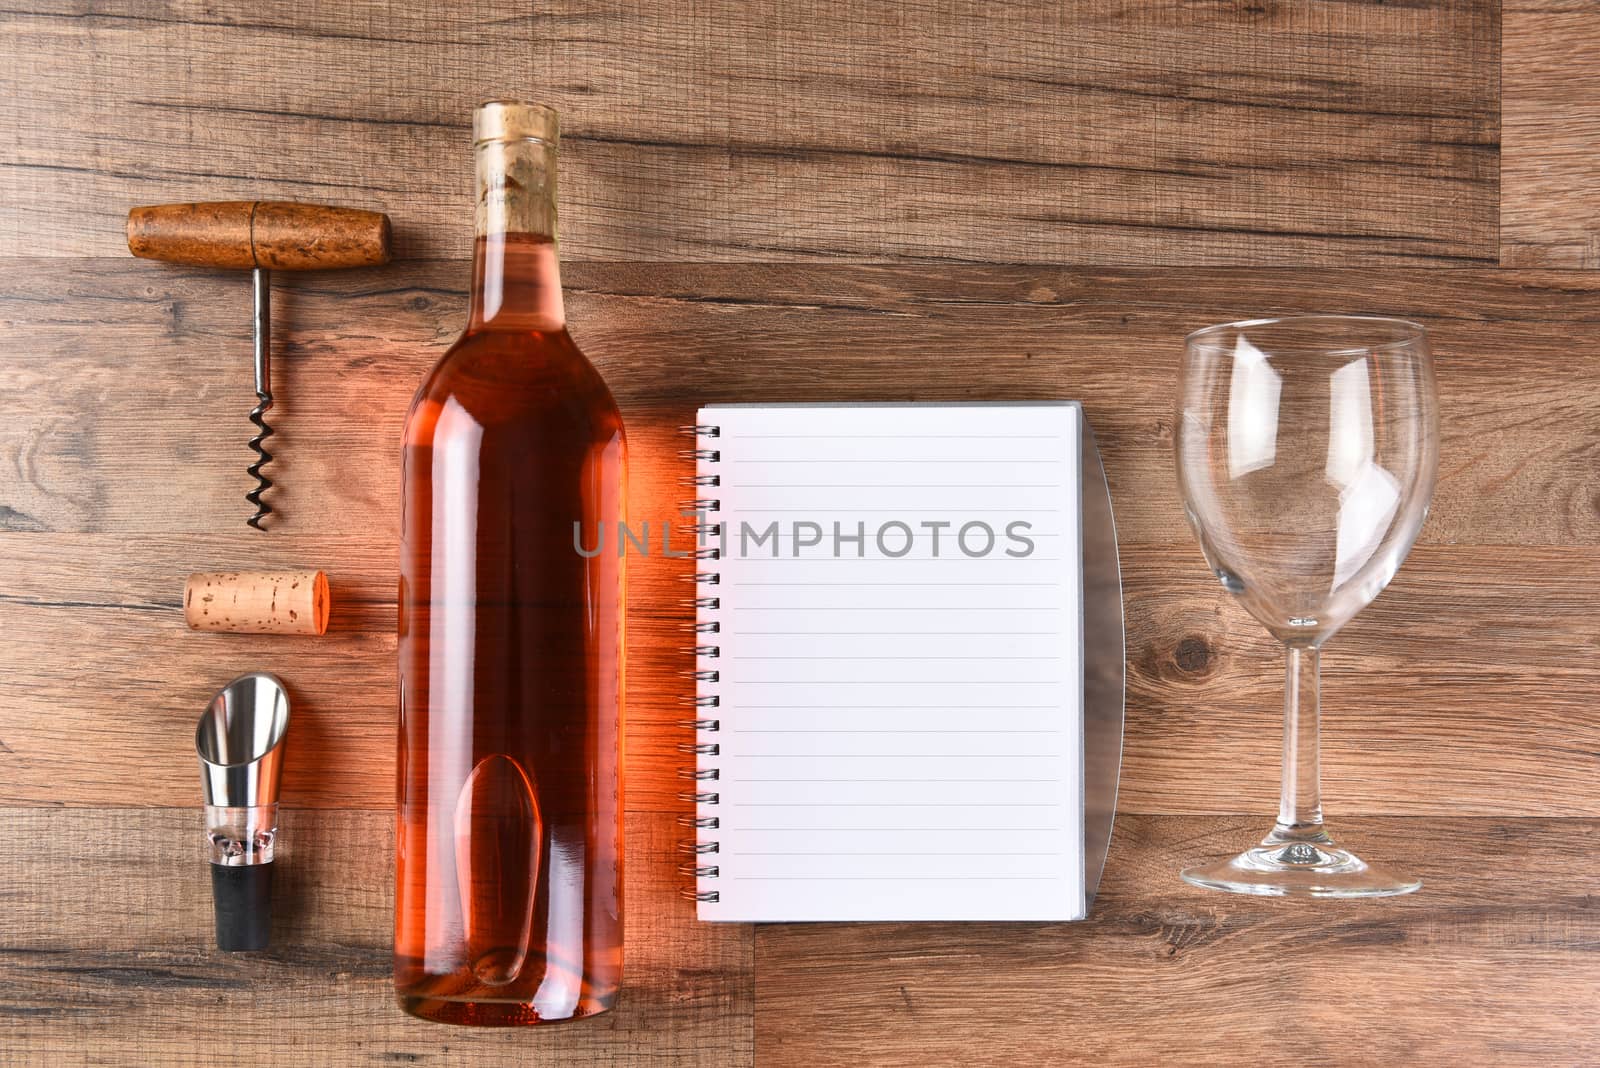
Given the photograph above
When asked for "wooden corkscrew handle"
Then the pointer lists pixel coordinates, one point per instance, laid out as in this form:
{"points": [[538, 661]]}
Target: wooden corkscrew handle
{"points": [[244, 234]]}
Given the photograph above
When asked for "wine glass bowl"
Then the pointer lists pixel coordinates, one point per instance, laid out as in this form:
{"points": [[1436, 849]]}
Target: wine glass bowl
{"points": [[1307, 449]]}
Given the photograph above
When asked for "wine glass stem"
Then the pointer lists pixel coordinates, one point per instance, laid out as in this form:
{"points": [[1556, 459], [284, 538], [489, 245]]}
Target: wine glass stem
{"points": [[1300, 805]]}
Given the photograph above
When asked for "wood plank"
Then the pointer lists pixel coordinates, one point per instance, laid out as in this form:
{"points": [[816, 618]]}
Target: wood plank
{"points": [[1550, 107], [107, 955], [102, 682], [1102, 132], [1494, 644], [1493, 962], [116, 373], [1466, 688]]}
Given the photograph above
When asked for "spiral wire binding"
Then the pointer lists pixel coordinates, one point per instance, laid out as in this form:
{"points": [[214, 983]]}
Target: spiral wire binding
{"points": [[263, 483], [698, 780]]}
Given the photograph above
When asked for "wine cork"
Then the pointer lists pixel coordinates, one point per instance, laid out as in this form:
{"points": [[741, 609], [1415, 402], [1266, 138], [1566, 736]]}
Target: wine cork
{"points": [[257, 602]]}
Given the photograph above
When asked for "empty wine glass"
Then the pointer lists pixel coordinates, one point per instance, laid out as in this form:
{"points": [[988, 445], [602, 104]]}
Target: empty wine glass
{"points": [[1306, 448]]}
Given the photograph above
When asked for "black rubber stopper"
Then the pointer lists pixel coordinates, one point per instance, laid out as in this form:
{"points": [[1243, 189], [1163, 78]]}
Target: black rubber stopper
{"points": [[242, 896]]}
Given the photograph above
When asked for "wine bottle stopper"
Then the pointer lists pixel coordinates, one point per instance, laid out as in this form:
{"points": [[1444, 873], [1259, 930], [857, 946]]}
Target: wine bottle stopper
{"points": [[240, 744]]}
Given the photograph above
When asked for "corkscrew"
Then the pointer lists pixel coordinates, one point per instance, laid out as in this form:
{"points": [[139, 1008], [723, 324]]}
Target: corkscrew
{"points": [[260, 236], [261, 331]]}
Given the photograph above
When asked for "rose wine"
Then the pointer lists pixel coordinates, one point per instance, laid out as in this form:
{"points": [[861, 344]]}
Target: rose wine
{"points": [[508, 897]]}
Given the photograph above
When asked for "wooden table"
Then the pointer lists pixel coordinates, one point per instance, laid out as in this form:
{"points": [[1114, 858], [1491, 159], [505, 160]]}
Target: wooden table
{"points": [[827, 199]]}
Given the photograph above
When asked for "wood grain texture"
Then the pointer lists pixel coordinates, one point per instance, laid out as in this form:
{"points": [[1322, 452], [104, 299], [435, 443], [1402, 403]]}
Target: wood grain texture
{"points": [[1101, 132], [1494, 962], [243, 235], [1466, 688], [96, 648], [706, 143], [1550, 106], [157, 358], [107, 956]]}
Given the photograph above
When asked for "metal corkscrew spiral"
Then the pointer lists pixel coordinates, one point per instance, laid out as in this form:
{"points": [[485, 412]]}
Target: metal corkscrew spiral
{"points": [[261, 322]]}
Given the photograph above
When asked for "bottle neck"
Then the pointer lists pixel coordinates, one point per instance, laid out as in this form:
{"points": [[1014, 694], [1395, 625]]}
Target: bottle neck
{"points": [[516, 276]]}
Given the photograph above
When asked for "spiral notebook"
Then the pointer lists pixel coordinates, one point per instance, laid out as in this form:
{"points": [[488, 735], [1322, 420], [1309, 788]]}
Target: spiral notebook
{"points": [[889, 670]]}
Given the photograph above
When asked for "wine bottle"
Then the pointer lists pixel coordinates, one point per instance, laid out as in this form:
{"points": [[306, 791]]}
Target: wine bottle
{"points": [[508, 896]]}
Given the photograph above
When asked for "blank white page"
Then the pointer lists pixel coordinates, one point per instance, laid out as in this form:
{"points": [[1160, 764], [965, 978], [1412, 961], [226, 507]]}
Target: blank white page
{"points": [[899, 694]]}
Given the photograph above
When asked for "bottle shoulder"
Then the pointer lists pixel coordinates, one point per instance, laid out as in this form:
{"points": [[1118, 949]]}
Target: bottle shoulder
{"points": [[500, 378]]}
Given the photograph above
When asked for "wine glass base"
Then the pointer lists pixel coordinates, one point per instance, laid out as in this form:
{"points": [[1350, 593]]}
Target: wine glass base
{"points": [[1299, 864]]}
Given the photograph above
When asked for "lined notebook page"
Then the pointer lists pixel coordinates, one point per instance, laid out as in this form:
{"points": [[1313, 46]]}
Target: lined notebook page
{"points": [[899, 674]]}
